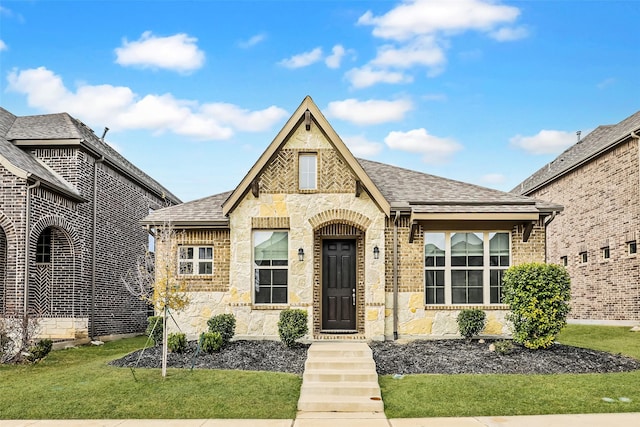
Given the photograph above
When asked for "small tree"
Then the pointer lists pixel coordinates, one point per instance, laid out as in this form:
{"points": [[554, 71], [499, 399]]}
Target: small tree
{"points": [[155, 280], [538, 296]]}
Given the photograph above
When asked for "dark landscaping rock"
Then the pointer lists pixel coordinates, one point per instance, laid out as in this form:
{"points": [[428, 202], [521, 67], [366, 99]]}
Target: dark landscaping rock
{"points": [[416, 357]]}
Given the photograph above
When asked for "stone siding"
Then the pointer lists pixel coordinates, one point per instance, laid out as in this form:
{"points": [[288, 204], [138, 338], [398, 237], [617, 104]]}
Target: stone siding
{"points": [[601, 203]]}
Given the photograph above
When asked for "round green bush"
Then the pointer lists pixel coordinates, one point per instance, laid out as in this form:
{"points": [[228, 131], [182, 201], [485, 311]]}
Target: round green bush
{"points": [[211, 341], [177, 342], [224, 324], [471, 322], [292, 325], [538, 296]]}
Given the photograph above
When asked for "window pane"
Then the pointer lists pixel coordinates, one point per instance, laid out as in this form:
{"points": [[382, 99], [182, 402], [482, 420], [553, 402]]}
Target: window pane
{"points": [[205, 253], [499, 249], [458, 278], [205, 268], [467, 249], [264, 277], [186, 268], [271, 245], [434, 249], [186, 253], [279, 277], [307, 171], [475, 278], [279, 295], [475, 296], [458, 296], [263, 294]]}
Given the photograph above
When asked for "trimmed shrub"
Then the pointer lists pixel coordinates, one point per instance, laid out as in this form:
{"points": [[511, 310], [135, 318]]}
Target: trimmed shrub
{"points": [[538, 296], [211, 341], [40, 350], [225, 325], [471, 322], [177, 342], [292, 325], [154, 329], [503, 347]]}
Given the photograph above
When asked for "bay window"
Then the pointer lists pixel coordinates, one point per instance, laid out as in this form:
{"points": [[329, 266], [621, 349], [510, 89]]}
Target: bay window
{"points": [[465, 267]]}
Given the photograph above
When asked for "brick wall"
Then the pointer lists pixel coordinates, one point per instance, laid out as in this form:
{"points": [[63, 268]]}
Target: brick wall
{"points": [[64, 288], [602, 209], [221, 242]]}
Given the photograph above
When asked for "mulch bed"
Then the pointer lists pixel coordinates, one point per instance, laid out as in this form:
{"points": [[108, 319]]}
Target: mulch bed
{"points": [[455, 356]]}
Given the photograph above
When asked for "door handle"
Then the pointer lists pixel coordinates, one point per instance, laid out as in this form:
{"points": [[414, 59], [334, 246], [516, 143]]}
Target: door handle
{"points": [[353, 296]]}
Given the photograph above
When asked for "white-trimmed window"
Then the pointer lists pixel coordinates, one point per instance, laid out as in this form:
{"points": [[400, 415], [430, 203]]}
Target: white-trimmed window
{"points": [[307, 171], [195, 260], [632, 247], [271, 266], [606, 252], [465, 267], [583, 257]]}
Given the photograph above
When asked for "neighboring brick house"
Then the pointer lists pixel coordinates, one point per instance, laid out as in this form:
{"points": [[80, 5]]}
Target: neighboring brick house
{"points": [[597, 180], [368, 250], [73, 204]]}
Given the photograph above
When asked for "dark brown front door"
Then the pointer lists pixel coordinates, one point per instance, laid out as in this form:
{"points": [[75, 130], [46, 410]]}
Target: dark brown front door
{"points": [[338, 285]]}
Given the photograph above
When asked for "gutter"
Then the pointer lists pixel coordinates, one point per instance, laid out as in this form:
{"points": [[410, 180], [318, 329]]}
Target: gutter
{"points": [[94, 226], [395, 275], [27, 233]]}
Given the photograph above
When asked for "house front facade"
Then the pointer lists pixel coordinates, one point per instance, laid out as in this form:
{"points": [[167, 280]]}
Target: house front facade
{"points": [[370, 251], [596, 237], [70, 207]]}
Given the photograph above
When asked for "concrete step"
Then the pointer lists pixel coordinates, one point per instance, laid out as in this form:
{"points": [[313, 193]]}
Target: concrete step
{"points": [[340, 362], [340, 377], [345, 388], [340, 404], [332, 375]]}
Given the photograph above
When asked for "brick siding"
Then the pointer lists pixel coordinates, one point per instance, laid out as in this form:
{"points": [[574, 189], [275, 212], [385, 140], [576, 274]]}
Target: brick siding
{"points": [[602, 208]]}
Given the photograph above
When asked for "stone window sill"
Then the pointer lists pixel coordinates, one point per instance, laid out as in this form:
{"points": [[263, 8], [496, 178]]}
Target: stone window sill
{"points": [[269, 306], [466, 307]]}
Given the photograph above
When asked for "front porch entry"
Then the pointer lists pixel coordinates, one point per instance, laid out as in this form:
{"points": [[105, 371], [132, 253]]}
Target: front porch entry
{"points": [[338, 296], [339, 285]]}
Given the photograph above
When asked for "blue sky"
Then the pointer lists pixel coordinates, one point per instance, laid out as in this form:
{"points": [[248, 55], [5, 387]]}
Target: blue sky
{"points": [[193, 91]]}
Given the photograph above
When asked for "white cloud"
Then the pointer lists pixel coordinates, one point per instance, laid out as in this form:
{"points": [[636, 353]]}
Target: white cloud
{"points": [[3, 45], [606, 83], [418, 33], [337, 53], [493, 178], [303, 59], [422, 51], [507, 34], [121, 109], [254, 40], [361, 147], [419, 17], [178, 52], [369, 112], [367, 76], [544, 142], [433, 149]]}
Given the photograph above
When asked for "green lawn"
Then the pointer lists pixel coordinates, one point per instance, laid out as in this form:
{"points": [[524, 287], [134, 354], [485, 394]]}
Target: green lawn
{"points": [[485, 395], [77, 383]]}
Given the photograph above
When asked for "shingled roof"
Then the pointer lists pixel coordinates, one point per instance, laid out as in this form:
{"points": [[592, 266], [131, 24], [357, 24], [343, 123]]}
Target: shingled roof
{"points": [[25, 165], [600, 140], [39, 129], [404, 189]]}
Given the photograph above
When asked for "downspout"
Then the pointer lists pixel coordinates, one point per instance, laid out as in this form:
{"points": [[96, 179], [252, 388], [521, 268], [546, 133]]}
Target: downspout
{"points": [[27, 232], [546, 223], [395, 275], [94, 226]]}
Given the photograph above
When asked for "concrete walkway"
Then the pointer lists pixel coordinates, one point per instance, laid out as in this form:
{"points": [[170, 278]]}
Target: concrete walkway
{"points": [[341, 419]]}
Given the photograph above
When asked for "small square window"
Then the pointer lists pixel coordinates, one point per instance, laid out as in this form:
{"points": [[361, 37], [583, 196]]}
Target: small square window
{"points": [[564, 261], [633, 247], [606, 253], [583, 257]]}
